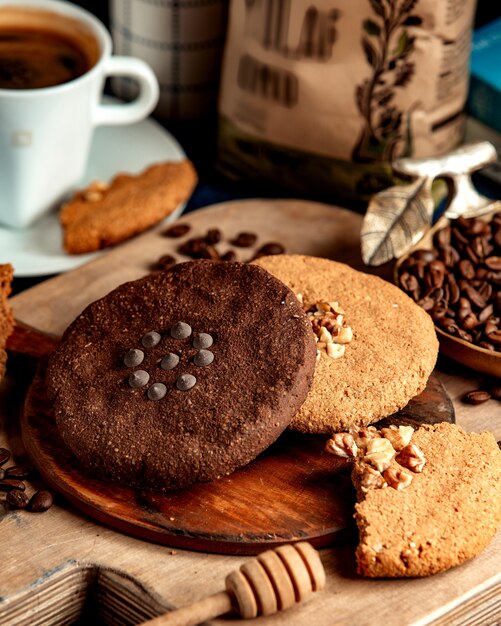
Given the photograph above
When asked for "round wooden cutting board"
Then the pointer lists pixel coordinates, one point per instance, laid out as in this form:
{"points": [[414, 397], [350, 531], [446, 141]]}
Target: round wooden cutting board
{"points": [[292, 491]]}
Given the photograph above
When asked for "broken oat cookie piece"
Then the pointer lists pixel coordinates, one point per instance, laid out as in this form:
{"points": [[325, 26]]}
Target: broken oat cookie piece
{"points": [[105, 214], [6, 319], [427, 500]]}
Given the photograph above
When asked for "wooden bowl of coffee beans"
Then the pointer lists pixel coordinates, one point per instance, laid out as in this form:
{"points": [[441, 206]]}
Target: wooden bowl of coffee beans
{"points": [[454, 273]]}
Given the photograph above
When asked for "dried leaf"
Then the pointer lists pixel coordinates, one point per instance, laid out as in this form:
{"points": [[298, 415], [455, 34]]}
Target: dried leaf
{"points": [[371, 27], [370, 52], [377, 7], [396, 219]]}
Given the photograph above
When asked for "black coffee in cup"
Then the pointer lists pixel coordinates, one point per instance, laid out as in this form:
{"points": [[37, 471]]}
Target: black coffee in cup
{"points": [[40, 49]]}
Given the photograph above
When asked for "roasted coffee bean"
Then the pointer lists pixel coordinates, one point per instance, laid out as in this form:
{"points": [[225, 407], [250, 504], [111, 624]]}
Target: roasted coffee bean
{"points": [[474, 296], [443, 237], [228, 256], [209, 252], [425, 255], [438, 313], [466, 269], [476, 227], [165, 262], [17, 471], [17, 499], [469, 322], [449, 255], [2, 473], [486, 313], [477, 397], [437, 266], [457, 236], [4, 456], [471, 255], [8, 484], [486, 345], [434, 278], [409, 282], [454, 292], [426, 303], [493, 263], [462, 334], [40, 501], [193, 248], [271, 248], [244, 240], [178, 230], [495, 337], [485, 290], [213, 236]]}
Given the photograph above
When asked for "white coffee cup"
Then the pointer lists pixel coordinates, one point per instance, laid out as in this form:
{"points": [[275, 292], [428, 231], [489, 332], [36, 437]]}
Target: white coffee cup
{"points": [[46, 133]]}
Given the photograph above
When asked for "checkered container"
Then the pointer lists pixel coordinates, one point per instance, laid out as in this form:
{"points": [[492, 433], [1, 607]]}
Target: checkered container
{"points": [[182, 41]]}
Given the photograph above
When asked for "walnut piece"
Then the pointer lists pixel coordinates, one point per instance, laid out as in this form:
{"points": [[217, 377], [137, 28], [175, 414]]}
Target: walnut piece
{"points": [[379, 453], [411, 457], [397, 477], [328, 324], [400, 436], [343, 445], [362, 436], [370, 478]]}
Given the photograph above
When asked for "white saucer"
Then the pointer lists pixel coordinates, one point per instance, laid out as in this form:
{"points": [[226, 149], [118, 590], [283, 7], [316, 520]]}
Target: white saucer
{"points": [[37, 250]]}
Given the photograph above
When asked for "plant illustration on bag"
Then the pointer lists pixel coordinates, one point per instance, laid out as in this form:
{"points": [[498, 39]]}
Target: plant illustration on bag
{"points": [[387, 46]]}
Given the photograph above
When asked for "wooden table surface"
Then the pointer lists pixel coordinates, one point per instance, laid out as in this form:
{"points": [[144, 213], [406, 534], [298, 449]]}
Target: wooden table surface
{"points": [[52, 563]]}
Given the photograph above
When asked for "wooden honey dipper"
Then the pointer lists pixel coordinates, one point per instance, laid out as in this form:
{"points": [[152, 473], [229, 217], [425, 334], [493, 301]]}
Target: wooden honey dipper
{"points": [[270, 582]]}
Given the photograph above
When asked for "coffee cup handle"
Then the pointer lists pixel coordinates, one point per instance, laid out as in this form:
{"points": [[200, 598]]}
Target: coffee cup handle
{"points": [[138, 109]]}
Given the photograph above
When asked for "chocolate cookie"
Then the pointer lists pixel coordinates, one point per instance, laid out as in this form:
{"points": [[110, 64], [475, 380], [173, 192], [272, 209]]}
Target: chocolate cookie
{"points": [[377, 348], [6, 319], [183, 375], [434, 505]]}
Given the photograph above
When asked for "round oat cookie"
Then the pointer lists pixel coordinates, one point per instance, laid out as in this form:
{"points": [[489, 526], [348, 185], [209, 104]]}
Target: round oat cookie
{"points": [[389, 359], [183, 375], [447, 515]]}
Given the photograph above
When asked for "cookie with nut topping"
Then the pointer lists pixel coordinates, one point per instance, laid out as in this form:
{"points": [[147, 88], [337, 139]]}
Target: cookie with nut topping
{"points": [[6, 318], [183, 375], [104, 215], [376, 347], [427, 500]]}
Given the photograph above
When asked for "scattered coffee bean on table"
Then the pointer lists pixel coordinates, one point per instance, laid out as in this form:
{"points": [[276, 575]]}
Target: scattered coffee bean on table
{"points": [[12, 485], [213, 236], [269, 249], [17, 499], [477, 397], [205, 247], [17, 471], [457, 282], [230, 255], [8, 484], [244, 240], [165, 262], [178, 230], [41, 501]]}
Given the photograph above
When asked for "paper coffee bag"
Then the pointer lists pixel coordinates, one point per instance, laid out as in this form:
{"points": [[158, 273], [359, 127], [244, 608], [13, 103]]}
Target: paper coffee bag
{"points": [[319, 96]]}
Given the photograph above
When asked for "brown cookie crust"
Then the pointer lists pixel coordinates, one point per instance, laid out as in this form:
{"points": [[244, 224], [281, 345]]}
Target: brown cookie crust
{"points": [[447, 515], [102, 216], [389, 360], [264, 357], [6, 318]]}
